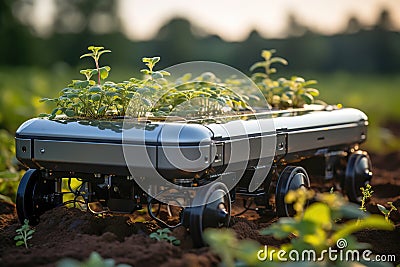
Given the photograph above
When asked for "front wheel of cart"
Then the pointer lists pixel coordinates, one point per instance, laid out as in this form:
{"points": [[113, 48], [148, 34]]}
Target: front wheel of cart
{"points": [[358, 174], [292, 178], [210, 208], [35, 195]]}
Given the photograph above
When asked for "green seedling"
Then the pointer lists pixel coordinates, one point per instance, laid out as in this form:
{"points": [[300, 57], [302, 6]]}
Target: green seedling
{"points": [[366, 195], [24, 234], [150, 63], [386, 212], [102, 73], [94, 260], [282, 93], [202, 97], [165, 234], [267, 64]]}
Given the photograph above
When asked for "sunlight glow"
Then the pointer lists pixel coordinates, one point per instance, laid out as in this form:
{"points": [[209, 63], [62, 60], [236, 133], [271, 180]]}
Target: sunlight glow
{"points": [[233, 20]]}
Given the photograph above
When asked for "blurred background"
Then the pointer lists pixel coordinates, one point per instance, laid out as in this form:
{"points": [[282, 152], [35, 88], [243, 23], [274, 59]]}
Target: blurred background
{"points": [[351, 47]]}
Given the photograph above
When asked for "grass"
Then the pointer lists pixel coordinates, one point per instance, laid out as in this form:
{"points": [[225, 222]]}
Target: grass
{"points": [[377, 95]]}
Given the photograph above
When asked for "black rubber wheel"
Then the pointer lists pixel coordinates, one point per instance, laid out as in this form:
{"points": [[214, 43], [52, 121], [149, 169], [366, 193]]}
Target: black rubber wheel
{"points": [[292, 178], [358, 174], [34, 196], [214, 214]]}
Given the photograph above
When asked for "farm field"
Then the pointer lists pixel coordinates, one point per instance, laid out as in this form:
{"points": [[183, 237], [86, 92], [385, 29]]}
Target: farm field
{"points": [[65, 233], [72, 233]]}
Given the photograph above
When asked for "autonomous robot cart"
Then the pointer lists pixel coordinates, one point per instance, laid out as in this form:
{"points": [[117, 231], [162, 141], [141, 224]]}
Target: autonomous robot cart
{"points": [[321, 140]]}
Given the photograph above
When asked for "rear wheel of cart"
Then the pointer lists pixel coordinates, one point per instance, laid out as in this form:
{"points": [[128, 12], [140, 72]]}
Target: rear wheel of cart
{"points": [[211, 208], [358, 174], [35, 195], [292, 178]]}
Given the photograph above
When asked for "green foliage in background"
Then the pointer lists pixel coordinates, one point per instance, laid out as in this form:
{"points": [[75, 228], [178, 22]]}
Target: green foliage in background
{"points": [[9, 175], [317, 228]]}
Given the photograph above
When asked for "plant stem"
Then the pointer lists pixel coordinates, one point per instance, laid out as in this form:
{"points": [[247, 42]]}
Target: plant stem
{"points": [[98, 71], [24, 235]]}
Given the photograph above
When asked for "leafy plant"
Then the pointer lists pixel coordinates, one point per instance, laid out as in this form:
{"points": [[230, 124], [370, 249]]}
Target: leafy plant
{"points": [[317, 228], [366, 195], [386, 212], [94, 260], [86, 98], [24, 233], [153, 95], [165, 234], [282, 93]]}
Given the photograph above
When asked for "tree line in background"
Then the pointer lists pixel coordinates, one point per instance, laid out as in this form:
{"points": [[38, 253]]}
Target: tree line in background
{"points": [[357, 49]]}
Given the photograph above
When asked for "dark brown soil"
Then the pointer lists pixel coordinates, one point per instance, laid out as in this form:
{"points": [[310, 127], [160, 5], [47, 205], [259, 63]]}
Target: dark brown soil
{"points": [[72, 233]]}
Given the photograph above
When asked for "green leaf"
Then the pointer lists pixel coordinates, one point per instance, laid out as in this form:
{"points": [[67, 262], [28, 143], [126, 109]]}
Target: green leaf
{"points": [[312, 91], [279, 60], [307, 98], [69, 113], [95, 97], [71, 96], [146, 102], [81, 84], [104, 51], [146, 60], [165, 73], [154, 60], [319, 213], [267, 54], [257, 65], [86, 55], [30, 232], [146, 72], [111, 94], [54, 111], [176, 242], [382, 209], [101, 110], [19, 243], [351, 211], [310, 82], [95, 89], [157, 75], [104, 71]]}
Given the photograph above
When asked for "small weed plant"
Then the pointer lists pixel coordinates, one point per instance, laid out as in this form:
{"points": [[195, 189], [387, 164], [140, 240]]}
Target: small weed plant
{"points": [[165, 234], [366, 195], [386, 212], [24, 234]]}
